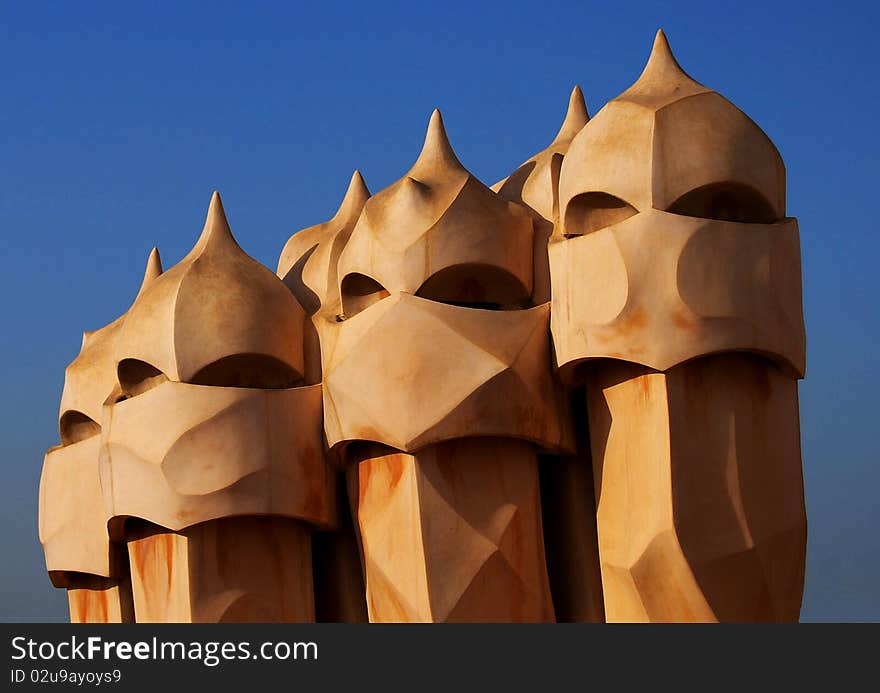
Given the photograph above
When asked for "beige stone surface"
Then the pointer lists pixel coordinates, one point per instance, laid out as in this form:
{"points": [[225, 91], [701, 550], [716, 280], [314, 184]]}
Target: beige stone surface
{"points": [[73, 522], [671, 258], [666, 288], [663, 138], [437, 350], [410, 372], [453, 533], [234, 570], [213, 440], [440, 233], [236, 437], [700, 490], [675, 201], [98, 604], [214, 306], [180, 454], [453, 288]]}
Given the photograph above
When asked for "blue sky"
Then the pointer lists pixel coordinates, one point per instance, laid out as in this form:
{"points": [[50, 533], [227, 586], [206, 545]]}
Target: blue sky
{"points": [[119, 119]]}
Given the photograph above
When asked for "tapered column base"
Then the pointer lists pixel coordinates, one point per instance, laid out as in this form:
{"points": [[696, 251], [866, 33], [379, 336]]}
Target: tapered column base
{"points": [[241, 569], [453, 533], [699, 486]]}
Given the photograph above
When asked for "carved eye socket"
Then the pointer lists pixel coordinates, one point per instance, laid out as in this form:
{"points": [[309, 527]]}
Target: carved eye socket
{"points": [[359, 292], [476, 286], [248, 370], [593, 211], [136, 377], [725, 202], [76, 426]]}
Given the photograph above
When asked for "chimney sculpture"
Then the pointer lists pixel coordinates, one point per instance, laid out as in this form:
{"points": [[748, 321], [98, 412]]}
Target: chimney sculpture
{"points": [[677, 301], [212, 471], [571, 396]]}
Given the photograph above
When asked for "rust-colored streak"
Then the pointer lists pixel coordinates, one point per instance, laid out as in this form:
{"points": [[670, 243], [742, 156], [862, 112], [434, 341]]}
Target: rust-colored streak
{"points": [[395, 464], [90, 606]]}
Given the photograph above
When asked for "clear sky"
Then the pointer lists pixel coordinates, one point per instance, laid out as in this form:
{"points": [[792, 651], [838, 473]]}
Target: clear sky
{"points": [[118, 119]]}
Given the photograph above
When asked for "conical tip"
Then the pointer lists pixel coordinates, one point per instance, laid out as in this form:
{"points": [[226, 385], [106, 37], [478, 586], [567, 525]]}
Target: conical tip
{"points": [[355, 196], [357, 187], [661, 52], [662, 63], [663, 77], [152, 270], [436, 150], [215, 207], [154, 263], [216, 225], [575, 117]]}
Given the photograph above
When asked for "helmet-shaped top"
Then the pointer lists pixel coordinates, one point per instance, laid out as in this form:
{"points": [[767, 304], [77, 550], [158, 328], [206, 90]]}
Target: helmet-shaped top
{"points": [[669, 143], [216, 311], [441, 234]]}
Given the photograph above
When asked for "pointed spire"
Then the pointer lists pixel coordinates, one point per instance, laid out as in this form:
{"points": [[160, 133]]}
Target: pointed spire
{"points": [[355, 198], [215, 221], [663, 77], [153, 269], [575, 118], [216, 229], [661, 57], [437, 154]]}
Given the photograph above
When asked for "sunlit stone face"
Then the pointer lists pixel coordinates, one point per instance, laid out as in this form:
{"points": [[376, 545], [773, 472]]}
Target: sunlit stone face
{"points": [[671, 240], [437, 337], [212, 421]]}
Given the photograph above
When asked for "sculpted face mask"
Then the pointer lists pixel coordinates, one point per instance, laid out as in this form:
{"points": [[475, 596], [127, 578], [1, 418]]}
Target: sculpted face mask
{"points": [[659, 289], [182, 454], [466, 373], [73, 524]]}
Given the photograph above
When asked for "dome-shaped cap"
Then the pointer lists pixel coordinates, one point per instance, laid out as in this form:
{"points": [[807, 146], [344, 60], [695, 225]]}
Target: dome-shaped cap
{"points": [[216, 303], [667, 142], [436, 217]]}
